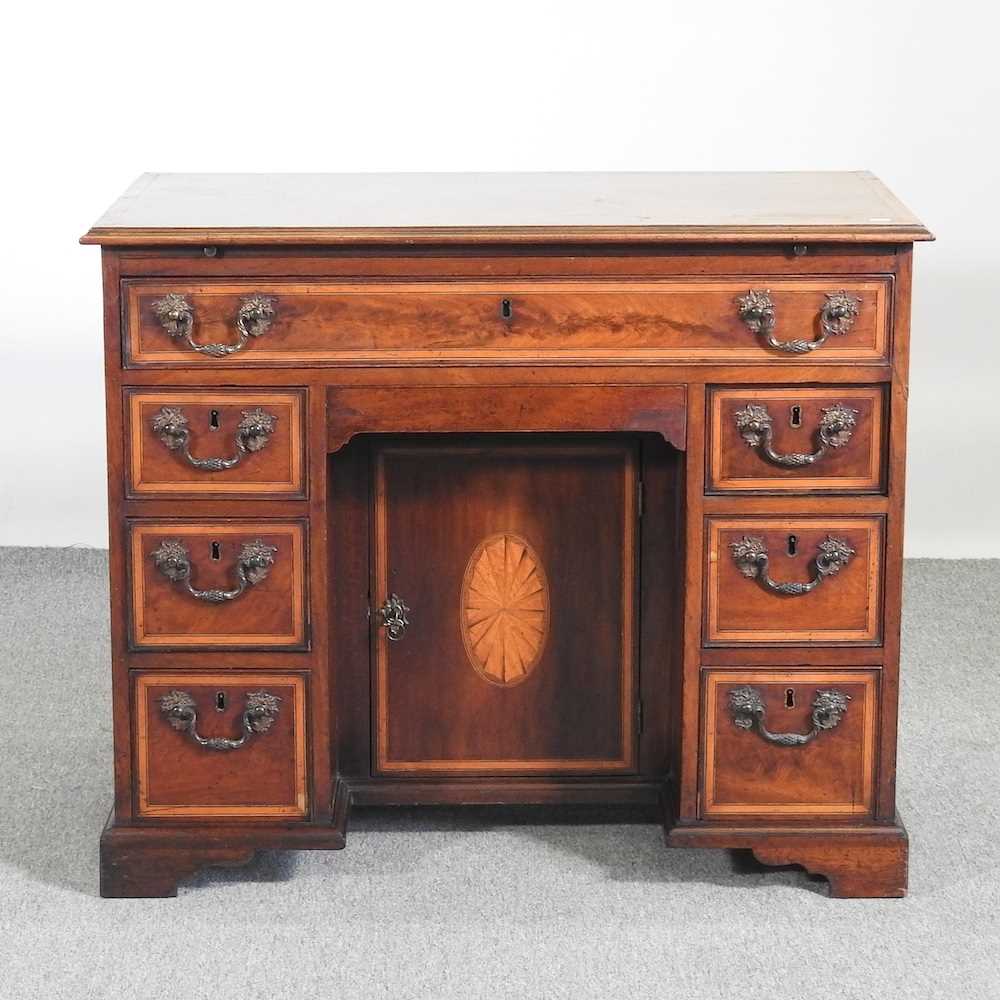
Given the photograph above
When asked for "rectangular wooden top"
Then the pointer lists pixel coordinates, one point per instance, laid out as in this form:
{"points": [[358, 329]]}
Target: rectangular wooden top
{"points": [[333, 209]]}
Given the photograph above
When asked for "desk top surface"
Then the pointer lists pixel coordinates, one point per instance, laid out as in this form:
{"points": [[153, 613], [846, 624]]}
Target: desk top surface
{"points": [[336, 209]]}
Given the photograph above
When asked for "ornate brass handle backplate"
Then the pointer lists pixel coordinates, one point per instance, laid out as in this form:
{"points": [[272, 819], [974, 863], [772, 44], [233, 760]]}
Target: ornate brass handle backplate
{"points": [[254, 430], [393, 618], [747, 708], [836, 318], [258, 716], [757, 429], [253, 563], [253, 319], [750, 555]]}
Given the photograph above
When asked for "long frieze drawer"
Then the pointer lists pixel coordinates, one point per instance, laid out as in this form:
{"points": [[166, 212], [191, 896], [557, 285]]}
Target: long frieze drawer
{"points": [[218, 584], [793, 580], [788, 744], [797, 440], [273, 322], [228, 745], [215, 442]]}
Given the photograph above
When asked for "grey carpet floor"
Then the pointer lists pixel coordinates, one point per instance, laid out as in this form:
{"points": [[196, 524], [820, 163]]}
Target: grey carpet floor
{"points": [[490, 903]]}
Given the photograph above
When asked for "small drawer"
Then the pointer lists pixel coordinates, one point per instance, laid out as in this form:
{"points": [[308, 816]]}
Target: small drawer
{"points": [[283, 322], [793, 580], [215, 442], [222, 745], [218, 584], [788, 743], [818, 440]]}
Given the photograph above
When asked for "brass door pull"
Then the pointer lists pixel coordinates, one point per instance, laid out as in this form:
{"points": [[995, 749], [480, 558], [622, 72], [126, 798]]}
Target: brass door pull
{"points": [[757, 429], [750, 555], [253, 432], [748, 711], [253, 563], [176, 316], [836, 318], [258, 717]]}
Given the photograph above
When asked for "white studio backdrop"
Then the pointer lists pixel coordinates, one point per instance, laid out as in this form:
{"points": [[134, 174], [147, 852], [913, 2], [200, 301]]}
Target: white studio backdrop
{"points": [[95, 94]]}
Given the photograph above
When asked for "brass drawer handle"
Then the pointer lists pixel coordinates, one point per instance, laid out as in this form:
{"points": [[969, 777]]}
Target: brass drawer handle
{"points": [[252, 433], [750, 555], [836, 318], [253, 563], [757, 429], [747, 707], [258, 717], [393, 618], [253, 319]]}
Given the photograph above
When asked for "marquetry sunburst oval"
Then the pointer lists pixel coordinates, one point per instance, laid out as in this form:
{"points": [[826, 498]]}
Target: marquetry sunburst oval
{"points": [[505, 609]]}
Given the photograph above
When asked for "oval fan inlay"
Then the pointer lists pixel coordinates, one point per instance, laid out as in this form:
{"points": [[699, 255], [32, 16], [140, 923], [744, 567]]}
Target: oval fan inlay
{"points": [[505, 609]]}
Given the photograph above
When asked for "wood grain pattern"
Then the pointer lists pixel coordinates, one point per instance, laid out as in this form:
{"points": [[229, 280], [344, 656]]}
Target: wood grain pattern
{"points": [[278, 469], [571, 407], [831, 776], [270, 614], [845, 608], [264, 778], [855, 467], [504, 613], [400, 322], [575, 711]]}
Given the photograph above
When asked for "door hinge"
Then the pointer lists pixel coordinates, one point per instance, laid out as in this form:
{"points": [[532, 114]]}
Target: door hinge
{"points": [[639, 715], [640, 498]]}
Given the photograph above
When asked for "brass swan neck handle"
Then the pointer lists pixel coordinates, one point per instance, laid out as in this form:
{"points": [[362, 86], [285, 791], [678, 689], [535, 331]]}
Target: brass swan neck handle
{"points": [[173, 428], [751, 557], [757, 429], [747, 708], [836, 317], [253, 563], [258, 716], [253, 319]]}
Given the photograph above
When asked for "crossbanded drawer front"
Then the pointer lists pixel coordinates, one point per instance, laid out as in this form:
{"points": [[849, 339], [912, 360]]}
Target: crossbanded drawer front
{"points": [[218, 584], [268, 322], [227, 745], [797, 440], [788, 743], [794, 580], [215, 442]]}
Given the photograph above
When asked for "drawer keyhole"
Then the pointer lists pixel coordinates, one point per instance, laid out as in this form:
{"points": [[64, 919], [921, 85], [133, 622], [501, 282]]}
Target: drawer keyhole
{"points": [[506, 309], [789, 698], [795, 416], [220, 701], [216, 551], [793, 545], [213, 420]]}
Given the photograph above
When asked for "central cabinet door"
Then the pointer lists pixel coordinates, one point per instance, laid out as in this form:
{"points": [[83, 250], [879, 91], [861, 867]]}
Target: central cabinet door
{"points": [[516, 563]]}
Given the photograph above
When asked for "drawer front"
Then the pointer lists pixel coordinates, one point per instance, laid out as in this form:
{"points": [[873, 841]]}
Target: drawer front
{"points": [[218, 584], [788, 743], [794, 580], [215, 442], [239, 323], [224, 745], [797, 440]]}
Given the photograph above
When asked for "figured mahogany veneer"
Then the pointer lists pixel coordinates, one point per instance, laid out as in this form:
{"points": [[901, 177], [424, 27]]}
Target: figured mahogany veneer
{"points": [[276, 468], [266, 777], [524, 620], [560, 488], [796, 422], [745, 774], [516, 321], [844, 608], [271, 613]]}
